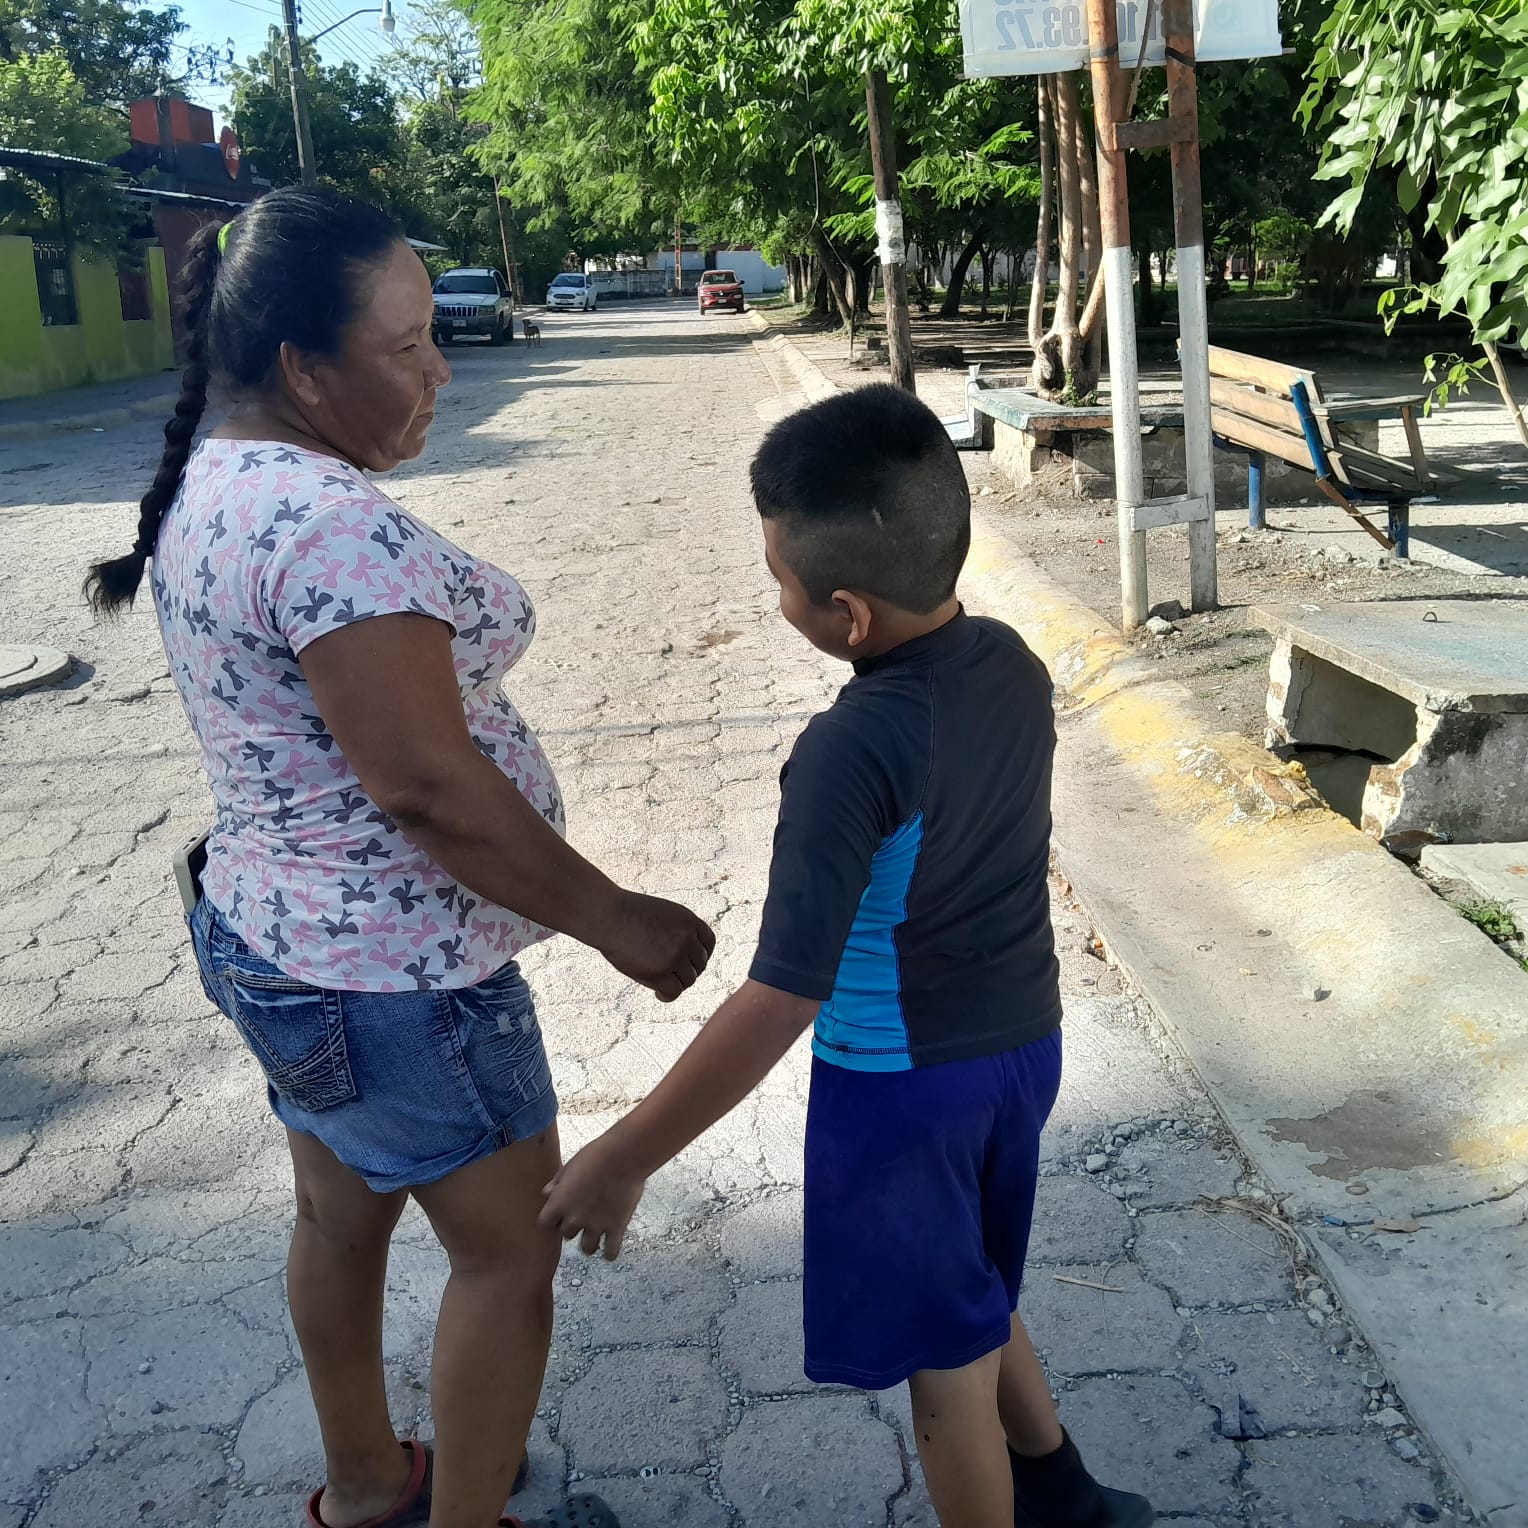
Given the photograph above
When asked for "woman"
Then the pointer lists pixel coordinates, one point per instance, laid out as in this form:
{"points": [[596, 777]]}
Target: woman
{"points": [[387, 838]]}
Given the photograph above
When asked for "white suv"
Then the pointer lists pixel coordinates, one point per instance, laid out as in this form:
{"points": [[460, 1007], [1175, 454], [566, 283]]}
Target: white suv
{"points": [[473, 302], [572, 289]]}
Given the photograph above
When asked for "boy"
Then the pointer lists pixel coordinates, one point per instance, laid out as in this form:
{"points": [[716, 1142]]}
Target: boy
{"points": [[908, 915]]}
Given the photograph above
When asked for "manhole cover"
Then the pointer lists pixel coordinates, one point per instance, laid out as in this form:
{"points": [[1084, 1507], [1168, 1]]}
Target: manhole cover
{"points": [[25, 668]]}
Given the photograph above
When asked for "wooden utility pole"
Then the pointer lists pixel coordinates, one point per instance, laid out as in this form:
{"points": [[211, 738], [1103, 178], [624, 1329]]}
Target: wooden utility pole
{"points": [[305, 166], [888, 227], [511, 266], [1194, 509], [1119, 308]]}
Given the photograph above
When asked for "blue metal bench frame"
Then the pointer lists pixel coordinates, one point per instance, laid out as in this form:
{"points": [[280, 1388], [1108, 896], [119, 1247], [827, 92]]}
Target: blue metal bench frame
{"points": [[1336, 487]]}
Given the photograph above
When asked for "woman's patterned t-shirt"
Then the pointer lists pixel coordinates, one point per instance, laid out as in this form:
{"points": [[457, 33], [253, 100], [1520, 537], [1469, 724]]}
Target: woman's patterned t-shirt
{"points": [[265, 549]]}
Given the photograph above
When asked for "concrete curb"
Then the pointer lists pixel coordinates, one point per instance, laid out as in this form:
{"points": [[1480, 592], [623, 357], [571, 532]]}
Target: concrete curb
{"points": [[161, 406], [1367, 1046], [808, 376]]}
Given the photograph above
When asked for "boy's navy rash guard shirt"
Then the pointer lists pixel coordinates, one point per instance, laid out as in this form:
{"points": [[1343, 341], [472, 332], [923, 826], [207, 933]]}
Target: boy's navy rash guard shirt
{"points": [[908, 890]]}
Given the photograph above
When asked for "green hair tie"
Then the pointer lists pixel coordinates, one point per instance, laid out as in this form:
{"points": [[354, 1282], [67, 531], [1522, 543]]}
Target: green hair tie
{"points": [[223, 237]]}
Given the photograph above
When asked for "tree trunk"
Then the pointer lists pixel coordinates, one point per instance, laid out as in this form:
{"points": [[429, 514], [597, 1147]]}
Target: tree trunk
{"points": [[986, 280], [1011, 302], [1059, 358], [1251, 268], [864, 273], [1040, 282], [1091, 324], [820, 292], [838, 278], [950, 307], [1504, 387]]}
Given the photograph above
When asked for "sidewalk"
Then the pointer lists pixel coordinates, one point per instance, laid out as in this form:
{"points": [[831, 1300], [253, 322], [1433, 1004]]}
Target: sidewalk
{"points": [[101, 406]]}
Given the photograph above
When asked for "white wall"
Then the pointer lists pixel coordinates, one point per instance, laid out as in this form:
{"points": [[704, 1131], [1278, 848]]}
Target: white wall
{"points": [[756, 274]]}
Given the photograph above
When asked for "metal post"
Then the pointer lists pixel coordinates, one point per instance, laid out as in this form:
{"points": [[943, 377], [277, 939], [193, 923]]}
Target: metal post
{"points": [[888, 227], [1257, 514], [299, 100], [678, 254], [1124, 380], [1193, 306]]}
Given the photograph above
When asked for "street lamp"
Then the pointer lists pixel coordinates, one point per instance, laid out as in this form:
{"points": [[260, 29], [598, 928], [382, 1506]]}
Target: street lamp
{"points": [[388, 22], [389, 25]]}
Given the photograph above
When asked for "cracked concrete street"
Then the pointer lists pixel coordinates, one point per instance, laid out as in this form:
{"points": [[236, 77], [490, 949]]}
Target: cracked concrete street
{"points": [[147, 1367]]}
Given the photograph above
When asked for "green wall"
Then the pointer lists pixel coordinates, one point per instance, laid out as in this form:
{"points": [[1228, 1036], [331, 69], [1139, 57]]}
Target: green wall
{"points": [[99, 348]]}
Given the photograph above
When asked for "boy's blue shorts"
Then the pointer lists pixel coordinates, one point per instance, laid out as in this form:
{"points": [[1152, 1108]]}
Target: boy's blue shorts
{"points": [[920, 1188]]}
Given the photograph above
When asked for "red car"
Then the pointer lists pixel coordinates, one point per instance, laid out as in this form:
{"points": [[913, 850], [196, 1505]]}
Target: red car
{"points": [[719, 289]]}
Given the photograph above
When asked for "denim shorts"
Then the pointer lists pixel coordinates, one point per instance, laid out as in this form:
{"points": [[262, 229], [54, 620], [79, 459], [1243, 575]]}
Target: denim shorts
{"points": [[403, 1087]]}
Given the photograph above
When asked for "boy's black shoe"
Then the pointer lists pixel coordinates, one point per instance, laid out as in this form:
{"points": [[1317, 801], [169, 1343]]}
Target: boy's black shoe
{"points": [[1056, 1491]]}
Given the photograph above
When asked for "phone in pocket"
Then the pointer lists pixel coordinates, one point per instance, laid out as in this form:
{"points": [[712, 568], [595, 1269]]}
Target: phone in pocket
{"points": [[189, 864]]}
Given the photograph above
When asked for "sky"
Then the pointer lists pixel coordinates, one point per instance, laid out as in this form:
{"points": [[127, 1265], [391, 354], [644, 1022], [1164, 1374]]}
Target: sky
{"points": [[248, 21]]}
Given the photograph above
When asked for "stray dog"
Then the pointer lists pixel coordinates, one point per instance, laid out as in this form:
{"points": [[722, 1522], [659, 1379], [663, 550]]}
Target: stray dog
{"points": [[532, 332]]}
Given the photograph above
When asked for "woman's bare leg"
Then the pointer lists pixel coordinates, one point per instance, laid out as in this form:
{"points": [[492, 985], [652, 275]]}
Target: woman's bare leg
{"points": [[336, 1273], [495, 1325]]}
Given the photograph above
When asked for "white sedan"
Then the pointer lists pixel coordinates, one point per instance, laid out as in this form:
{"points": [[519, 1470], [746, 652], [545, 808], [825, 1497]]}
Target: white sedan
{"points": [[572, 290]]}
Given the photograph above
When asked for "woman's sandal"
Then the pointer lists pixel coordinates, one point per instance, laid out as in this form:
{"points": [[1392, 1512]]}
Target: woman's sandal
{"points": [[575, 1512], [413, 1504]]}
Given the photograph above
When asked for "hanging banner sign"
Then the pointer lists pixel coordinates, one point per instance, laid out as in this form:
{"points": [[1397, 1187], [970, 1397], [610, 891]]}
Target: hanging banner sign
{"points": [[1051, 36]]}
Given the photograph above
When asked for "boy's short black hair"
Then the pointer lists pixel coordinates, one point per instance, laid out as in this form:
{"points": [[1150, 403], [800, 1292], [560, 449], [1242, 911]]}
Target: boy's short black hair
{"points": [[871, 496]]}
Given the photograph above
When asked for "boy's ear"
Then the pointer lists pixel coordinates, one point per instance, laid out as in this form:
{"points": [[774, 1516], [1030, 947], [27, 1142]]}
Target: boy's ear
{"points": [[857, 613]]}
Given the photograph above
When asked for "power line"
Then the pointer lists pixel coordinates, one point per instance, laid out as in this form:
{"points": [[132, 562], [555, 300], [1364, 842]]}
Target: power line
{"points": [[348, 43]]}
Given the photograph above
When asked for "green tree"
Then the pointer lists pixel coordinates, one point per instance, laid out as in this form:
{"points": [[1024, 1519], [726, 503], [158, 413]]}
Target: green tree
{"points": [[1432, 100], [437, 58], [565, 101], [357, 140], [44, 106], [117, 53]]}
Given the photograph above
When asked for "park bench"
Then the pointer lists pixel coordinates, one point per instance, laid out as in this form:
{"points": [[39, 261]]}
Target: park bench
{"points": [[1265, 409]]}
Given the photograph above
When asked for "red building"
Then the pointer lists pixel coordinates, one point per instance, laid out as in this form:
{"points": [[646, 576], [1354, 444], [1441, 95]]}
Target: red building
{"points": [[186, 174]]}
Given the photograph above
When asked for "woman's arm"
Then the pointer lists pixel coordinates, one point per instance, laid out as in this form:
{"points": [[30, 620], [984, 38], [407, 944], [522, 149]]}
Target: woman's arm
{"points": [[386, 689]]}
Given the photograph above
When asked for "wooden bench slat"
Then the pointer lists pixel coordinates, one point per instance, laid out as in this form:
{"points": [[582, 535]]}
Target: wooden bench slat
{"points": [[1370, 408], [1274, 376], [1380, 469], [1254, 436], [1264, 407]]}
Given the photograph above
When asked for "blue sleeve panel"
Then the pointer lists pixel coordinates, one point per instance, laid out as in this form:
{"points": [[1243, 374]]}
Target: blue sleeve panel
{"points": [[908, 891]]}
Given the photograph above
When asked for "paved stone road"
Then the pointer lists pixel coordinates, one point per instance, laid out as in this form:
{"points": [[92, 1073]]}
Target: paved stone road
{"points": [[147, 1371]]}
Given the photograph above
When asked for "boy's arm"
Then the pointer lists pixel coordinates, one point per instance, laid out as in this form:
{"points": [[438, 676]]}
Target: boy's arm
{"points": [[836, 806], [597, 1192]]}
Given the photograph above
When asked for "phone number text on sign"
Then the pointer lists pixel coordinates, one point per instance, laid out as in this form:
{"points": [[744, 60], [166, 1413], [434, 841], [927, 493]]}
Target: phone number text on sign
{"points": [[1051, 36]]}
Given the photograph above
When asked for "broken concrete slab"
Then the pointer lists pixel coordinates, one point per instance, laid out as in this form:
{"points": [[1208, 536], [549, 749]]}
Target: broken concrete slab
{"points": [[1436, 692], [1441, 655]]}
